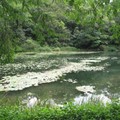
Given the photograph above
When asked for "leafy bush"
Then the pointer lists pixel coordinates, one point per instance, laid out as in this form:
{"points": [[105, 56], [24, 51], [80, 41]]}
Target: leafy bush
{"points": [[45, 49], [68, 48], [88, 111], [6, 44], [30, 45], [89, 38]]}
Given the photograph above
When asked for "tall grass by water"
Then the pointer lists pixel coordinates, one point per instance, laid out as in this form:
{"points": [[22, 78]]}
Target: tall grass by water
{"points": [[89, 111]]}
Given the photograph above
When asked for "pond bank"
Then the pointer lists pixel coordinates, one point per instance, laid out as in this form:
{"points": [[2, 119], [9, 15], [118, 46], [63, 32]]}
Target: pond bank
{"points": [[90, 111]]}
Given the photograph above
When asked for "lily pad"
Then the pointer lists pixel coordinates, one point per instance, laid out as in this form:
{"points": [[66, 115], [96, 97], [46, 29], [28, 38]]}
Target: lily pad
{"points": [[86, 89]]}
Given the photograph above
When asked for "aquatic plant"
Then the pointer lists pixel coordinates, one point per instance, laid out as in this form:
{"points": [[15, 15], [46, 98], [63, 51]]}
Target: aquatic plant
{"points": [[19, 82]]}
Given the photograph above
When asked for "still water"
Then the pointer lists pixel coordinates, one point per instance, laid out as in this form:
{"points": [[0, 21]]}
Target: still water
{"points": [[106, 81]]}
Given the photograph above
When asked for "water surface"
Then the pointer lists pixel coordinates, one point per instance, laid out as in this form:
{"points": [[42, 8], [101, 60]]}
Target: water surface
{"points": [[106, 81]]}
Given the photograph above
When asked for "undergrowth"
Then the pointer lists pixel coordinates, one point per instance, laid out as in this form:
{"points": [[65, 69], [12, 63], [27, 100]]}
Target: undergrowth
{"points": [[68, 112]]}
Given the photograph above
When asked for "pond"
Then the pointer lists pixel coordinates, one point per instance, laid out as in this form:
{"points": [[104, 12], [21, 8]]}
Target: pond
{"points": [[56, 75]]}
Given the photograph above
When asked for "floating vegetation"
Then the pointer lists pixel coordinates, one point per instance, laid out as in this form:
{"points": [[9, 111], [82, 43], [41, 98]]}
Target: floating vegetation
{"points": [[21, 81], [30, 66], [70, 81], [86, 89]]}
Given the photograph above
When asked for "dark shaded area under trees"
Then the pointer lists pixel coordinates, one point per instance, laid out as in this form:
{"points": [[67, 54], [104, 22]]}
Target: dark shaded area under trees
{"points": [[29, 24]]}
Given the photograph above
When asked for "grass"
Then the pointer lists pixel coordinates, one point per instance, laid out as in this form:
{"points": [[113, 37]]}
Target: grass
{"points": [[88, 111], [33, 46], [47, 49]]}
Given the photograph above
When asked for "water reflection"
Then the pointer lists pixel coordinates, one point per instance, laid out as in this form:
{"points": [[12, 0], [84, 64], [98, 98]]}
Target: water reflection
{"points": [[79, 100]]}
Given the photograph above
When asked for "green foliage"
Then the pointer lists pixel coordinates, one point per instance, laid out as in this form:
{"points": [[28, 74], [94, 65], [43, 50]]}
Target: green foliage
{"points": [[69, 48], [89, 38], [116, 33], [68, 112], [6, 51], [52, 23], [45, 49], [6, 45], [102, 16], [29, 45]]}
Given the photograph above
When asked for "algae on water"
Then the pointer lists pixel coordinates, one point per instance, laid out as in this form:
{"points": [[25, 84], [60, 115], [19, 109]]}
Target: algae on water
{"points": [[21, 81]]}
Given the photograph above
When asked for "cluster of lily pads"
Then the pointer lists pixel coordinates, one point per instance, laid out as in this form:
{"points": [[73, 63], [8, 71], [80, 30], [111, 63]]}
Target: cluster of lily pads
{"points": [[21, 81], [30, 66]]}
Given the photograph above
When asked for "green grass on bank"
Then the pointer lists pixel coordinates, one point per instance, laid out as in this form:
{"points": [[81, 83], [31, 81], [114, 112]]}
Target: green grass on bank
{"points": [[69, 112], [33, 46], [48, 49]]}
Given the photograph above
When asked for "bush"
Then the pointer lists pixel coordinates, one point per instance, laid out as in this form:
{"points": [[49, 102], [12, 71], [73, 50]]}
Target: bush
{"points": [[6, 44], [45, 49], [89, 38], [30, 45], [90, 111], [68, 48]]}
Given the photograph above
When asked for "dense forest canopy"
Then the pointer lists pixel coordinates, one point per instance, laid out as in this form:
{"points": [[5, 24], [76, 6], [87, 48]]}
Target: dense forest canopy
{"points": [[91, 24]]}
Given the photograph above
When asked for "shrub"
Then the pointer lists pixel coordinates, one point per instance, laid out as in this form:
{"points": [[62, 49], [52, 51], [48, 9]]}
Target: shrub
{"points": [[88, 111], [45, 49], [30, 45], [90, 38]]}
